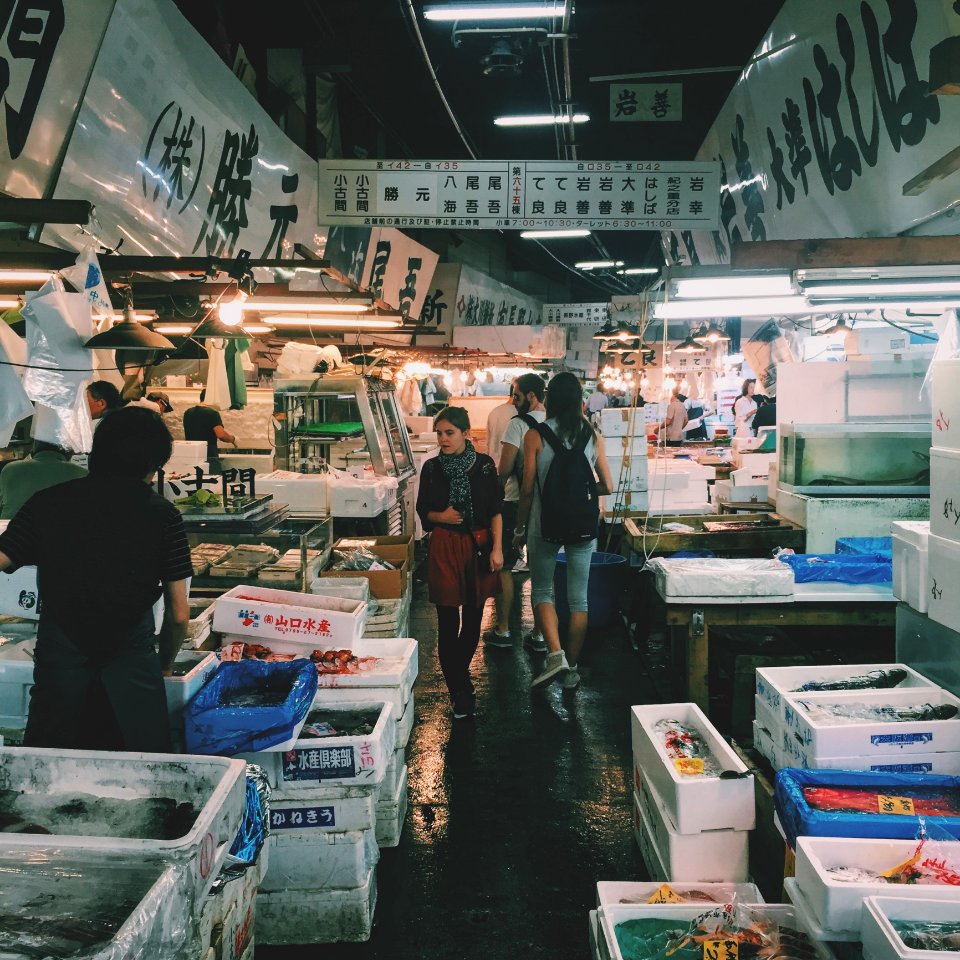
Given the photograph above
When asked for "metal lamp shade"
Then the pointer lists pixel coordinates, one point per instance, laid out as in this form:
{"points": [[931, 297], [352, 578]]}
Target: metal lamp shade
{"points": [[128, 335]]}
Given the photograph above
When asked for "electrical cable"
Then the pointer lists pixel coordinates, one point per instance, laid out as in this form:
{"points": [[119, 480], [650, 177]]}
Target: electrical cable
{"points": [[551, 100], [883, 316]]}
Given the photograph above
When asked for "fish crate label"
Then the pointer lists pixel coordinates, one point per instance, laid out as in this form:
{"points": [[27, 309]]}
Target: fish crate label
{"points": [[902, 767], [900, 739], [689, 766], [902, 806], [665, 894], [319, 763], [296, 818], [721, 950]]}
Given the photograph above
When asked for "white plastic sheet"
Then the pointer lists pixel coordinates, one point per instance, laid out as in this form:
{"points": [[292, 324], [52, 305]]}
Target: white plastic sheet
{"points": [[218, 388], [15, 405], [717, 578]]}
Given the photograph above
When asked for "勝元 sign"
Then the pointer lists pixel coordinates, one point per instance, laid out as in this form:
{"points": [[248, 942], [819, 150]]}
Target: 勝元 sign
{"points": [[521, 194], [646, 102]]}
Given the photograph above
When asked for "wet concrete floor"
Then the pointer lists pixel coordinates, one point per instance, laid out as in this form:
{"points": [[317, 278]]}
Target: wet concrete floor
{"points": [[514, 815]]}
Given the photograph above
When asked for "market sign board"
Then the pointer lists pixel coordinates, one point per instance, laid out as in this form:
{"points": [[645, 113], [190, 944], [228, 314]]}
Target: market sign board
{"points": [[830, 120], [645, 102], [521, 194], [176, 155], [484, 302], [398, 270], [577, 314]]}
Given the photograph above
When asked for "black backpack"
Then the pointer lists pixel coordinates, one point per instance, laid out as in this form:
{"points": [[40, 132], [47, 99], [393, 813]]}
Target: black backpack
{"points": [[569, 502]]}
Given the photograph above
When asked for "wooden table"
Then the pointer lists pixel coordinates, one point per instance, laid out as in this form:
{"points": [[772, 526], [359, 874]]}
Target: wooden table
{"points": [[759, 542], [690, 623]]}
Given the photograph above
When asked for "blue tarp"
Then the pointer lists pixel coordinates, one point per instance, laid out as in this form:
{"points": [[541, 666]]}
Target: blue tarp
{"points": [[870, 546], [838, 567], [212, 727]]}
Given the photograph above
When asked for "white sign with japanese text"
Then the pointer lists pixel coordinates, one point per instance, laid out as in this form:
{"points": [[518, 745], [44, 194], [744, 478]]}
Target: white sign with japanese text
{"points": [[440, 304], [177, 155], [398, 270], [829, 121], [485, 302], [580, 314], [646, 102], [47, 51], [521, 194]]}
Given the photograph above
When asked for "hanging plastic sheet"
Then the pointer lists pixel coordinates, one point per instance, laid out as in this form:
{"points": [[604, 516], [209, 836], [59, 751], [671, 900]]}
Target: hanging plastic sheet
{"points": [[236, 378], [218, 388], [15, 405]]}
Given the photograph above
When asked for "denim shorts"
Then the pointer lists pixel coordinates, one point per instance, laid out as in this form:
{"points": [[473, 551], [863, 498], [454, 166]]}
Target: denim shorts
{"points": [[542, 560]]}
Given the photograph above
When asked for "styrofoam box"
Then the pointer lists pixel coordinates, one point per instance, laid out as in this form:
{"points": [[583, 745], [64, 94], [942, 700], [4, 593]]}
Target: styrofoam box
{"points": [[945, 397], [305, 493], [629, 473], [361, 498], [943, 573], [692, 579], [659, 478], [763, 743], [643, 834], [214, 785], [16, 681], [836, 903], [880, 939], [945, 493], [774, 683], [867, 738], [325, 808], [615, 422], [181, 690], [391, 815], [757, 464], [195, 450], [329, 761], [269, 614], [593, 933], [613, 892], [717, 855], [319, 860], [405, 723], [317, 916], [392, 777], [910, 550], [768, 718], [620, 446], [695, 803], [19, 594], [794, 895]]}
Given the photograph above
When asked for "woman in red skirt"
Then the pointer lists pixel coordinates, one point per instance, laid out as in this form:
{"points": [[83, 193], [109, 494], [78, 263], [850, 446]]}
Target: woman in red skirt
{"points": [[459, 503]]}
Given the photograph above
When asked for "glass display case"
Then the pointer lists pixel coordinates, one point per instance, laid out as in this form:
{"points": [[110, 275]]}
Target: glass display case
{"points": [[855, 459]]}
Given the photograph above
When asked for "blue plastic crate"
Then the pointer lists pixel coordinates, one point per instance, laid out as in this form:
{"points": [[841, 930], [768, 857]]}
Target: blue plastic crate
{"points": [[839, 567], [870, 546]]}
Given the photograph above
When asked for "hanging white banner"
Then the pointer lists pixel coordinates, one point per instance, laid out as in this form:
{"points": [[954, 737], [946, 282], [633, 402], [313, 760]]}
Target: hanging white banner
{"points": [[399, 270], [177, 155], [825, 126], [485, 302]]}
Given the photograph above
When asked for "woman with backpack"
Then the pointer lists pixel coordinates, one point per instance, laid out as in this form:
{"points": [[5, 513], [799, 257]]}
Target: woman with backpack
{"points": [[560, 506], [459, 503]]}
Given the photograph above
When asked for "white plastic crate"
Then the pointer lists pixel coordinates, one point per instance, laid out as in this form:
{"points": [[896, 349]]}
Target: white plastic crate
{"points": [[305, 493], [880, 939], [720, 580], [392, 813], [325, 808], [627, 892], [695, 803], [796, 897], [643, 834], [317, 916], [837, 904], [873, 738], [910, 562], [774, 683], [216, 786], [943, 573], [945, 493], [181, 690], [763, 743], [319, 860]]}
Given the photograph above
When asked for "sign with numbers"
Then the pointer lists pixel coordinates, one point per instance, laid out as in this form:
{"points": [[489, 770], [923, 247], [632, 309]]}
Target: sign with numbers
{"points": [[577, 314], [646, 102], [521, 194]]}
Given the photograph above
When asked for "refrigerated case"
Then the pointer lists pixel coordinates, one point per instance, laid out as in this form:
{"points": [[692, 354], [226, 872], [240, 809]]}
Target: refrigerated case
{"points": [[342, 421]]}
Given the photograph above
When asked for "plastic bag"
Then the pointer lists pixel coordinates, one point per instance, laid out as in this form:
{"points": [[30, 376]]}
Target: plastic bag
{"points": [[218, 721], [87, 277], [838, 567], [15, 405], [350, 588], [255, 827], [359, 559], [866, 546]]}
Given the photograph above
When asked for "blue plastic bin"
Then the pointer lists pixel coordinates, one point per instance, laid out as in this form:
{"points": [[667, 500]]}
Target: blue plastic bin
{"points": [[838, 567], [876, 546], [603, 589]]}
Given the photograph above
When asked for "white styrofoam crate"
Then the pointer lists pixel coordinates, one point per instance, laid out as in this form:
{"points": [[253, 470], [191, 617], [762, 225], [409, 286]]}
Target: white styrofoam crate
{"points": [[314, 915], [328, 761], [768, 718], [880, 939], [763, 743], [361, 498], [405, 723], [616, 421], [714, 855], [945, 493], [392, 777], [16, 681], [774, 683], [910, 562], [19, 593], [328, 808], [866, 738], [643, 834], [181, 690], [305, 493], [943, 573], [837, 904], [319, 860], [716, 579], [695, 803], [593, 933], [610, 892], [635, 446], [629, 473], [795, 896], [945, 398], [391, 815]]}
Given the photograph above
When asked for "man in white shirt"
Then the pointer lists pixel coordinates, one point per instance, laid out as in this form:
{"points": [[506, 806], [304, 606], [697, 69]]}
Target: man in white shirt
{"points": [[527, 393], [497, 422], [597, 400]]}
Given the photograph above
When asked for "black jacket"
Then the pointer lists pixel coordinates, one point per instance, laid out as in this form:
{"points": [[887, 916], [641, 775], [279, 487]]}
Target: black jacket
{"points": [[434, 492]]}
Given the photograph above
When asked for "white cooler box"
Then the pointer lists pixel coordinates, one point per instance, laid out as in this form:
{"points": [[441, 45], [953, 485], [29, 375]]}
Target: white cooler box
{"points": [[910, 564], [945, 493], [629, 892], [305, 493], [621, 446], [303, 858], [943, 574], [945, 399], [629, 473], [880, 939], [718, 580], [616, 422], [391, 813], [323, 807], [350, 497]]}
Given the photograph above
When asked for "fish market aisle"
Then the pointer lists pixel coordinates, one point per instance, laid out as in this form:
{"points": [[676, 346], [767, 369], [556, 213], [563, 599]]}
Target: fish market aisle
{"points": [[513, 816]]}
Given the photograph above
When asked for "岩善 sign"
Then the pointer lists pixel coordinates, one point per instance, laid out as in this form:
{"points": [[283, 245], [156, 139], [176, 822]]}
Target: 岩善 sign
{"points": [[646, 102], [521, 194]]}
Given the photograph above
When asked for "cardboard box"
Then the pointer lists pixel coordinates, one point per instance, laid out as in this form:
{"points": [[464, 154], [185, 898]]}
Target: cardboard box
{"points": [[376, 543], [384, 584]]}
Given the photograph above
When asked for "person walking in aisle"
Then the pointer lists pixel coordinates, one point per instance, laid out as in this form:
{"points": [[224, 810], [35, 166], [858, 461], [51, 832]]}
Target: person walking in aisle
{"points": [[497, 422], [459, 504], [559, 506], [745, 409], [527, 394]]}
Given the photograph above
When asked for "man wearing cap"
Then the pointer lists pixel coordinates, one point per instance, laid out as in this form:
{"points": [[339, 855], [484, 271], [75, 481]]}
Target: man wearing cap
{"points": [[155, 400]]}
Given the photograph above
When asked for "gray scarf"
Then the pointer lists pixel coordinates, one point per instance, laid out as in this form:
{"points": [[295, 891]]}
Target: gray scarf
{"points": [[456, 466]]}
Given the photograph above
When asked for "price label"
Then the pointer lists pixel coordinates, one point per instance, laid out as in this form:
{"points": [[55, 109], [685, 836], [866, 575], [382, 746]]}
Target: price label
{"points": [[896, 873], [664, 894], [721, 950], [689, 766], [902, 806]]}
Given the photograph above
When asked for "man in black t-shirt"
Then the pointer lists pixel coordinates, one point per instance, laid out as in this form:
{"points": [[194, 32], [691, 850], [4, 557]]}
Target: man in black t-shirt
{"points": [[106, 548], [204, 423]]}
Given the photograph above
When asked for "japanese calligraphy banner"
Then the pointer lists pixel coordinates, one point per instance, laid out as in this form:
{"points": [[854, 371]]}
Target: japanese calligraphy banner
{"points": [[825, 126], [176, 154], [521, 194], [398, 270], [485, 302], [646, 102], [47, 51], [440, 304], [577, 314]]}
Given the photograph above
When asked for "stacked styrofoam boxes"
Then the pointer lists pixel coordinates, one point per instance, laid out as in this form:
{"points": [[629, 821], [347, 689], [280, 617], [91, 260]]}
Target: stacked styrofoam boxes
{"points": [[626, 455], [879, 937], [186, 456], [785, 734], [689, 827], [910, 563]]}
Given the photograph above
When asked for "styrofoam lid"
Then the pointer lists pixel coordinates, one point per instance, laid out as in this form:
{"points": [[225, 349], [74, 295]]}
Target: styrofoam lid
{"points": [[915, 532]]}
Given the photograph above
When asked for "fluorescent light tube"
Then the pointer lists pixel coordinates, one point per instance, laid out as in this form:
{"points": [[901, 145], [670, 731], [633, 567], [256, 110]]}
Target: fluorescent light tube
{"points": [[337, 323], [779, 285], [175, 329], [25, 276], [632, 271], [597, 264], [553, 234], [731, 307], [495, 11], [296, 305], [835, 289], [257, 328], [539, 120]]}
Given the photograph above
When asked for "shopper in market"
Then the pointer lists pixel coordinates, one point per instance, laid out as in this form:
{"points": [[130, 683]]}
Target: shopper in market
{"points": [[459, 504], [21, 479], [527, 393], [102, 398], [202, 422], [597, 400], [675, 421], [106, 547], [745, 409], [766, 415], [559, 507], [497, 421]]}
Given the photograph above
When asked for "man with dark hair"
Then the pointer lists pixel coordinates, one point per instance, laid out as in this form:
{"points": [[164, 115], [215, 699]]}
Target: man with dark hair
{"points": [[106, 548], [20, 480], [102, 398], [204, 423]]}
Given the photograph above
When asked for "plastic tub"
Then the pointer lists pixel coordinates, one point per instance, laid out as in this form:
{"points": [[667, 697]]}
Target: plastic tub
{"points": [[603, 588]]}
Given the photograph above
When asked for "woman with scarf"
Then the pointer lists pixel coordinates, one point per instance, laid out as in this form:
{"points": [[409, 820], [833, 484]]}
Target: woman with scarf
{"points": [[459, 504]]}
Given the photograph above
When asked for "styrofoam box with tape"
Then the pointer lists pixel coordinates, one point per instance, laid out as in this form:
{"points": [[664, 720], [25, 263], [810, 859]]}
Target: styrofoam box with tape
{"points": [[945, 397], [319, 860], [623, 422], [945, 493], [910, 562]]}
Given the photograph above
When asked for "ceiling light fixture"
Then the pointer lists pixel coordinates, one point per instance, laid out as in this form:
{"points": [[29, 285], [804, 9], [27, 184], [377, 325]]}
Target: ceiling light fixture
{"points": [[10, 303], [298, 304], [128, 334], [748, 285], [337, 323], [230, 311], [540, 120], [710, 334], [732, 307], [598, 264], [607, 332], [881, 287], [173, 329], [689, 345], [495, 11], [25, 276], [553, 234], [258, 328], [633, 271]]}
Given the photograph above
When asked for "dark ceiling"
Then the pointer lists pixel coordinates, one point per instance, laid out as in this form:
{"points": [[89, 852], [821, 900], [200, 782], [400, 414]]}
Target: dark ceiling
{"points": [[389, 106]]}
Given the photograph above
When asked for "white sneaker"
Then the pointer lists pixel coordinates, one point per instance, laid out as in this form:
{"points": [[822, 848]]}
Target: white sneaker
{"points": [[571, 679], [554, 665]]}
